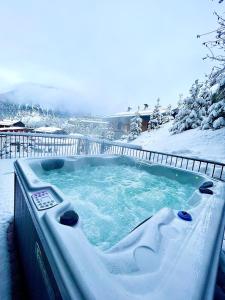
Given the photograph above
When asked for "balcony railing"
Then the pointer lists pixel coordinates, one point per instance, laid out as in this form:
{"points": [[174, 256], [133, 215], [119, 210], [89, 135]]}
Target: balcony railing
{"points": [[18, 145]]}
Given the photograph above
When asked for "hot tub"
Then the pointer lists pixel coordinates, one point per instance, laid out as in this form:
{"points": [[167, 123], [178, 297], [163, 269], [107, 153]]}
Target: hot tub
{"points": [[130, 240]]}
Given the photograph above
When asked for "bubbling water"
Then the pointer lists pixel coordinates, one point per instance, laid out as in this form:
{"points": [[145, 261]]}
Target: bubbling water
{"points": [[112, 199]]}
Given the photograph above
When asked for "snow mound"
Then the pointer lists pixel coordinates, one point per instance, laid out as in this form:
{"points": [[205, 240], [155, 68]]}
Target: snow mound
{"points": [[205, 144]]}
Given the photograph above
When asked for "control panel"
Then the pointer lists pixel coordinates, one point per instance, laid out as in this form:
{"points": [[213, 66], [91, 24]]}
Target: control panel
{"points": [[43, 200]]}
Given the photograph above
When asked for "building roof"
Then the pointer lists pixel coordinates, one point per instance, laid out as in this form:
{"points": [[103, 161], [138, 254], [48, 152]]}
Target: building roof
{"points": [[93, 121], [12, 128], [8, 122], [48, 130], [132, 113]]}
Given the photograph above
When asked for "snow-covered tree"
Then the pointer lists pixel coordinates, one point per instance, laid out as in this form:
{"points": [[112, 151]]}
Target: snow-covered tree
{"points": [[215, 117], [191, 112], [110, 133], [168, 110], [167, 115], [135, 127], [180, 101], [205, 106], [156, 117]]}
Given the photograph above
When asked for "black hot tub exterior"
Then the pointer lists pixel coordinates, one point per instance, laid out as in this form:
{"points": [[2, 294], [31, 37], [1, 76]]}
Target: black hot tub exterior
{"points": [[39, 278]]}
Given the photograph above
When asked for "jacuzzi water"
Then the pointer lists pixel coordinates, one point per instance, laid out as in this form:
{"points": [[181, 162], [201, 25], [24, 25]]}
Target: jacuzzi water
{"points": [[112, 199]]}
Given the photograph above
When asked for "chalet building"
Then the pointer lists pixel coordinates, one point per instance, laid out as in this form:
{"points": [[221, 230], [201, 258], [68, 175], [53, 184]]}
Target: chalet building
{"points": [[11, 123], [120, 122], [13, 126]]}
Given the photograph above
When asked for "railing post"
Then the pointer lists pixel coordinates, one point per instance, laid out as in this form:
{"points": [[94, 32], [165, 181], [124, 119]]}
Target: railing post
{"points": [[102, 149], [86, 146], [78, 146]]}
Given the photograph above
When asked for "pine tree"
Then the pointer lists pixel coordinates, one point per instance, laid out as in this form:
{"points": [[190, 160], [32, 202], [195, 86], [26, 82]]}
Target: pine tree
{"points": [[215, 111], [191, 112], [135, 127], [167, 115], [110, 133], [156, 117], [215, 117]]}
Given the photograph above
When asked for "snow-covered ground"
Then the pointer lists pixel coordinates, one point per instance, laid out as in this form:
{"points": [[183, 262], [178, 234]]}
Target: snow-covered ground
{"points": [[6, 216], [207, 144]]}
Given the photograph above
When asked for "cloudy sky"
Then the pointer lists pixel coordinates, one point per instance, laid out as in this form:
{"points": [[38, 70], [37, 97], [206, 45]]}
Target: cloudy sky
{"points": [[112, 53]]}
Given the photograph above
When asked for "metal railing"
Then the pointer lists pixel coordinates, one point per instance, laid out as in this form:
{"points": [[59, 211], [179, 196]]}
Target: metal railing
{"points": [[16, 145]]}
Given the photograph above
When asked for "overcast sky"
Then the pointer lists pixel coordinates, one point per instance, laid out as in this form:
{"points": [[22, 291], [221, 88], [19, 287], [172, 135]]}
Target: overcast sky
{"points": [[111, 52]]}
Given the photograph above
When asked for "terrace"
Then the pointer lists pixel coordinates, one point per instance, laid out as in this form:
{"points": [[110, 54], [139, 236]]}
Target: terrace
{"points": [[29, 145]]}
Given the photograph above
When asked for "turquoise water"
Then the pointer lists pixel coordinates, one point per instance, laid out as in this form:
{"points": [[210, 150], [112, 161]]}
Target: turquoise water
{"points": [[112, 199]]}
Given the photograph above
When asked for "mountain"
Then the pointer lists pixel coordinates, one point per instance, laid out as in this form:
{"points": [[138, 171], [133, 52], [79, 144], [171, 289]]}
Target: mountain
{"points": [[39, 106], [60, 100]]}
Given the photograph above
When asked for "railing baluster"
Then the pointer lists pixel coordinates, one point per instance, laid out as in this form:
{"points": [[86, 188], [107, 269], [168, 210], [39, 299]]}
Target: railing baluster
{"points": [[181, 163], [214, 166], [206, 168], [154, 157], [187, 164], [221, 172], [166, 158]]}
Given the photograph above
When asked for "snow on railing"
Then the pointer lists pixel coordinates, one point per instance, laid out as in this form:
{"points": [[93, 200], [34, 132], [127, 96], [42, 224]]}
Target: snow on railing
{"points": [[16, 145]]}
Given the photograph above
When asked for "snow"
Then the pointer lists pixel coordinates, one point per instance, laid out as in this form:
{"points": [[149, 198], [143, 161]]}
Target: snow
{"points": [[93, 121], [6, 216], [206, 144], [132, 113], [8, 122], [48, 129], [218, 123], [215, 88], [13, 128]]}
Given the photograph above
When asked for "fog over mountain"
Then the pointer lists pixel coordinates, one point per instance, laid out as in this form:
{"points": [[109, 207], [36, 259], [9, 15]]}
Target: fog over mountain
{"points": [[51, 97]]}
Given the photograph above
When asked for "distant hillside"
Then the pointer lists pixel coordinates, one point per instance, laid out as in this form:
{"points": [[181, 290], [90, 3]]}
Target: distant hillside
{"points": [[30, 96], [10, 109], [19, 104]]}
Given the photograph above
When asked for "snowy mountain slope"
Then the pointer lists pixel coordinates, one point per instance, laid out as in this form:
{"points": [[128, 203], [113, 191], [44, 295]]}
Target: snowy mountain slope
{"points": [[208, 144], [48, 96]]}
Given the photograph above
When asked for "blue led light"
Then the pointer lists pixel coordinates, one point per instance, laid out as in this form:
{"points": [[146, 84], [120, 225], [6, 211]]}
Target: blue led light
{"points": [[184, 215]]}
